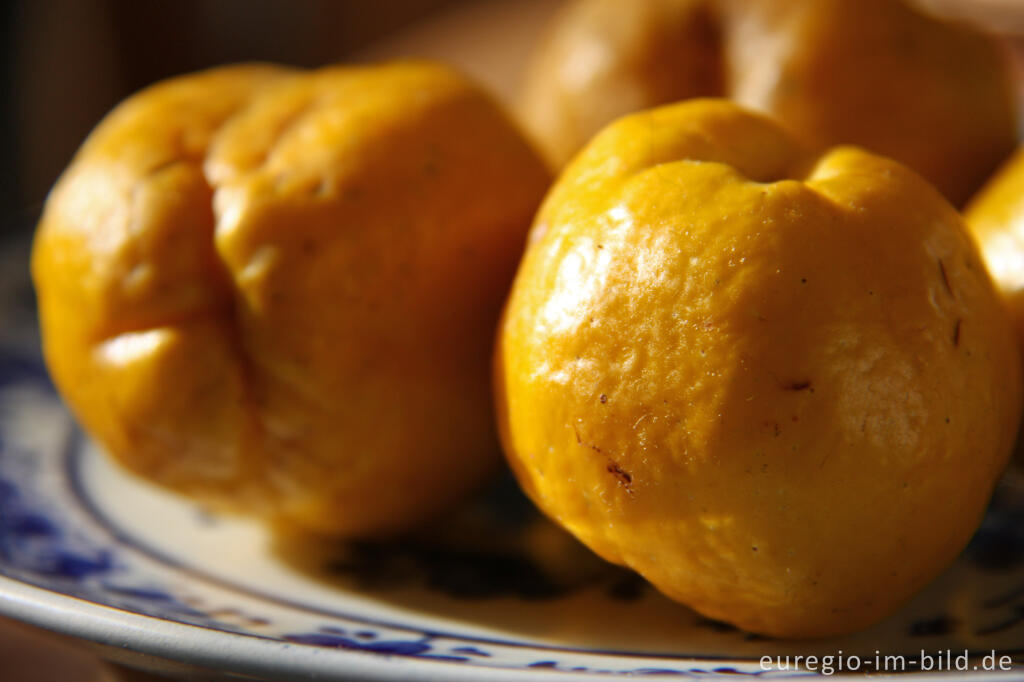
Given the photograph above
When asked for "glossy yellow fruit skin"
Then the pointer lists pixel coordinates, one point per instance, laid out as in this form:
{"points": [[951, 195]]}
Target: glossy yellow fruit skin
{"points": [[780, 386], [277, 290], [876, 73], [995, 217]]}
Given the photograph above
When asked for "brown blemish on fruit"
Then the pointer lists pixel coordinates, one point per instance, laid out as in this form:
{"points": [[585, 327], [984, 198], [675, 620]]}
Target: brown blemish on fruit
{"points": [[956, 333], [945, 277], [624, 477], [799, 386]]}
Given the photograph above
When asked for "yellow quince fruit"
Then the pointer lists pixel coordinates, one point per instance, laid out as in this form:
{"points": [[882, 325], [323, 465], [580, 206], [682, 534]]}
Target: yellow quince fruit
{"points": [[276, 290], [778, 384]]}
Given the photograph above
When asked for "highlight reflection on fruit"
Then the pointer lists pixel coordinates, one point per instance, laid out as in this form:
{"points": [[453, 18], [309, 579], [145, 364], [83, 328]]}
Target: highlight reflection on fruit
{"points": [[778, 384], [276, 290], [996, 218]]}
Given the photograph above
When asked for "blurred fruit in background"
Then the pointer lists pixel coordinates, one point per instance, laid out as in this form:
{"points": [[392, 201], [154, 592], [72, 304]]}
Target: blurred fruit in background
{"points": [[936, 96]]}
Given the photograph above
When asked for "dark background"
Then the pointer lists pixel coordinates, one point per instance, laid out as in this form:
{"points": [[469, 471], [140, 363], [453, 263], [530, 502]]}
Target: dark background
{"points": [[67, 62]]}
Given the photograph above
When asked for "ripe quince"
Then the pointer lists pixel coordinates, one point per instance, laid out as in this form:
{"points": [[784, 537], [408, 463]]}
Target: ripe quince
{"points": [[777, 383], [277, 290]]}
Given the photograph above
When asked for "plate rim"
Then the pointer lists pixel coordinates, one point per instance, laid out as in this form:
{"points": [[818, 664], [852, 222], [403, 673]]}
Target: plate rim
{"points": [[238, 653], [257, 656]]}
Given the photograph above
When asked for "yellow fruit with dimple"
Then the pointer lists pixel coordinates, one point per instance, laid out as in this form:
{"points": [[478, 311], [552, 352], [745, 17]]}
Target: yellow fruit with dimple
{"points": [[276, 290], [779, 385]]}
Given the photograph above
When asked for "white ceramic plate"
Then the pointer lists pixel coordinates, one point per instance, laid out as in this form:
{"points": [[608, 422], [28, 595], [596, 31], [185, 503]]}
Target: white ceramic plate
{"points": [[493, 591]]}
